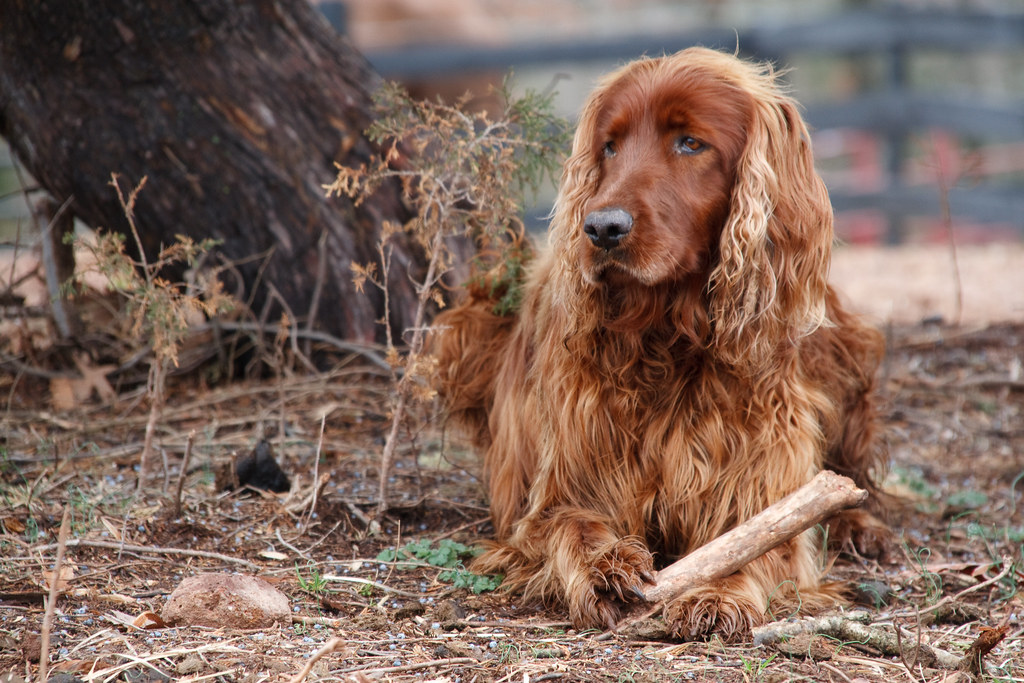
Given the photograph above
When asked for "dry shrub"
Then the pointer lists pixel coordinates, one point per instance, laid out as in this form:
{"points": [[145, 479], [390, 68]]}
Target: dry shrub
{"points": [[465, 174]]}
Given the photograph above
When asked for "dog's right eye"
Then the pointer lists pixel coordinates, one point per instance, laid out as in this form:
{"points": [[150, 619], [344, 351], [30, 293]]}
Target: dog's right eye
{"points": [[609, 149]]}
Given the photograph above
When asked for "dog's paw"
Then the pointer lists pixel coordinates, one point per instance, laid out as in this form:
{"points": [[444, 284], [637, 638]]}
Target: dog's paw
{"points": [[617, 575], [860, 532], [716, 610], [624, 569]]}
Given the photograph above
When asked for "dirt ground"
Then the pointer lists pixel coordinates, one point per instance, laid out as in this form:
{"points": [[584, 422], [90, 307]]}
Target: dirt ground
{"points": [[953, 400], [913, 283]]}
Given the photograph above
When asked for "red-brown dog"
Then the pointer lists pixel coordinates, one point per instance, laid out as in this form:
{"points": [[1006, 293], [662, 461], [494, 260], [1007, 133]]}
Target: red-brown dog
{"points": [[679, 361]]}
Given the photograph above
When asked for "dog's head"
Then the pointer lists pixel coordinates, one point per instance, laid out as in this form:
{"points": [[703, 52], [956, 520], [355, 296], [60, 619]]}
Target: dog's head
{"points": [[697, 167]]}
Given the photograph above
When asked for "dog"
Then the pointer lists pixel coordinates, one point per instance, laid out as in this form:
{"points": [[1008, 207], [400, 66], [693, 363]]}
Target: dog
{"points": [[678, 362]]}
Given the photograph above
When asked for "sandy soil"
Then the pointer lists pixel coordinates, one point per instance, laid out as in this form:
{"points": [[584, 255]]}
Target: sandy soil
{"points": [[911, 283]]}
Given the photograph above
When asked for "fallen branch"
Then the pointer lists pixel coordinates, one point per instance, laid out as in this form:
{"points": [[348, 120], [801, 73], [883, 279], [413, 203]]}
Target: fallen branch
{"points": [[416, 666], [819, 499], [851, 628]]}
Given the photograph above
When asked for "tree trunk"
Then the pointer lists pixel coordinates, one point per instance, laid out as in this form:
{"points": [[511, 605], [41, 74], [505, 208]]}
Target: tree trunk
{"points": [[236, 110]]}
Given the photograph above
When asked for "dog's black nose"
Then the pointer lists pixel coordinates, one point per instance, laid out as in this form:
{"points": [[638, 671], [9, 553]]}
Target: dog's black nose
{"points": [[607, 227]]}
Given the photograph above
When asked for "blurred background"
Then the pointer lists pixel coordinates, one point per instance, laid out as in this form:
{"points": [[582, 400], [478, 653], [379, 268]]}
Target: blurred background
{"points": [[912, 103], [917, 106]]}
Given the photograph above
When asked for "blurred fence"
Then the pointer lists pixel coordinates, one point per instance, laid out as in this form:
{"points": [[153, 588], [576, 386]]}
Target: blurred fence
{"points": [[973, 144]]}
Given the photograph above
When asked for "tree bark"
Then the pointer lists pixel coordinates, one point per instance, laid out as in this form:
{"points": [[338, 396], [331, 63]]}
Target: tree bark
{"points": [[236, 110]]}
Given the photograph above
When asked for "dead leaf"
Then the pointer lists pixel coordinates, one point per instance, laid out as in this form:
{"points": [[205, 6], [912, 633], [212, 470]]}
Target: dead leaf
{"points": [[94, 378], [67, 572], [120, 618], [149, 620], [13, 525], [78, 666], [273, 555], [62, 395], [113, 527]]}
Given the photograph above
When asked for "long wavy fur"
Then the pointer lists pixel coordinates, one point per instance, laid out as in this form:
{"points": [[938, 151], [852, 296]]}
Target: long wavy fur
{"points": [[647, 398]]}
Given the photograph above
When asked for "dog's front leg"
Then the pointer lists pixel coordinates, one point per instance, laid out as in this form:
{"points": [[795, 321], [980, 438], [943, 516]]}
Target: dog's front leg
{"points": [[583, 563]]}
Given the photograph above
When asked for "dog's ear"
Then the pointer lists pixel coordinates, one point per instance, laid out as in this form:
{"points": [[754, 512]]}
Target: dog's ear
{"points": [[580, 175], [770, 284]]}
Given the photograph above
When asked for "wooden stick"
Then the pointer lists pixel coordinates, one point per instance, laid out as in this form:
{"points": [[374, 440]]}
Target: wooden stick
{"points": [[819, 499], [815, 501]]}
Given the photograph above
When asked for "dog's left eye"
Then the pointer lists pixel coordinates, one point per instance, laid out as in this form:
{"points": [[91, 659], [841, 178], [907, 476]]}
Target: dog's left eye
{"points": [[688, 145]]}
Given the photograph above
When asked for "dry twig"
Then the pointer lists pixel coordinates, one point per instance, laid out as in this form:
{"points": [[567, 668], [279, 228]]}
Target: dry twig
{"points": [[331, 645], [152, 550], [1008, 566], [51, 603], [316, 476], [184, 470]]}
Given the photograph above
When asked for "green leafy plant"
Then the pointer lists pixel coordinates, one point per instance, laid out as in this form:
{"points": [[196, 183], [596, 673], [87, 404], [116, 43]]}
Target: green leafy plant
{"points": [[465, 175], [509, 652], [477, 583], [314, 582], [752, 669], [446, 554]]}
